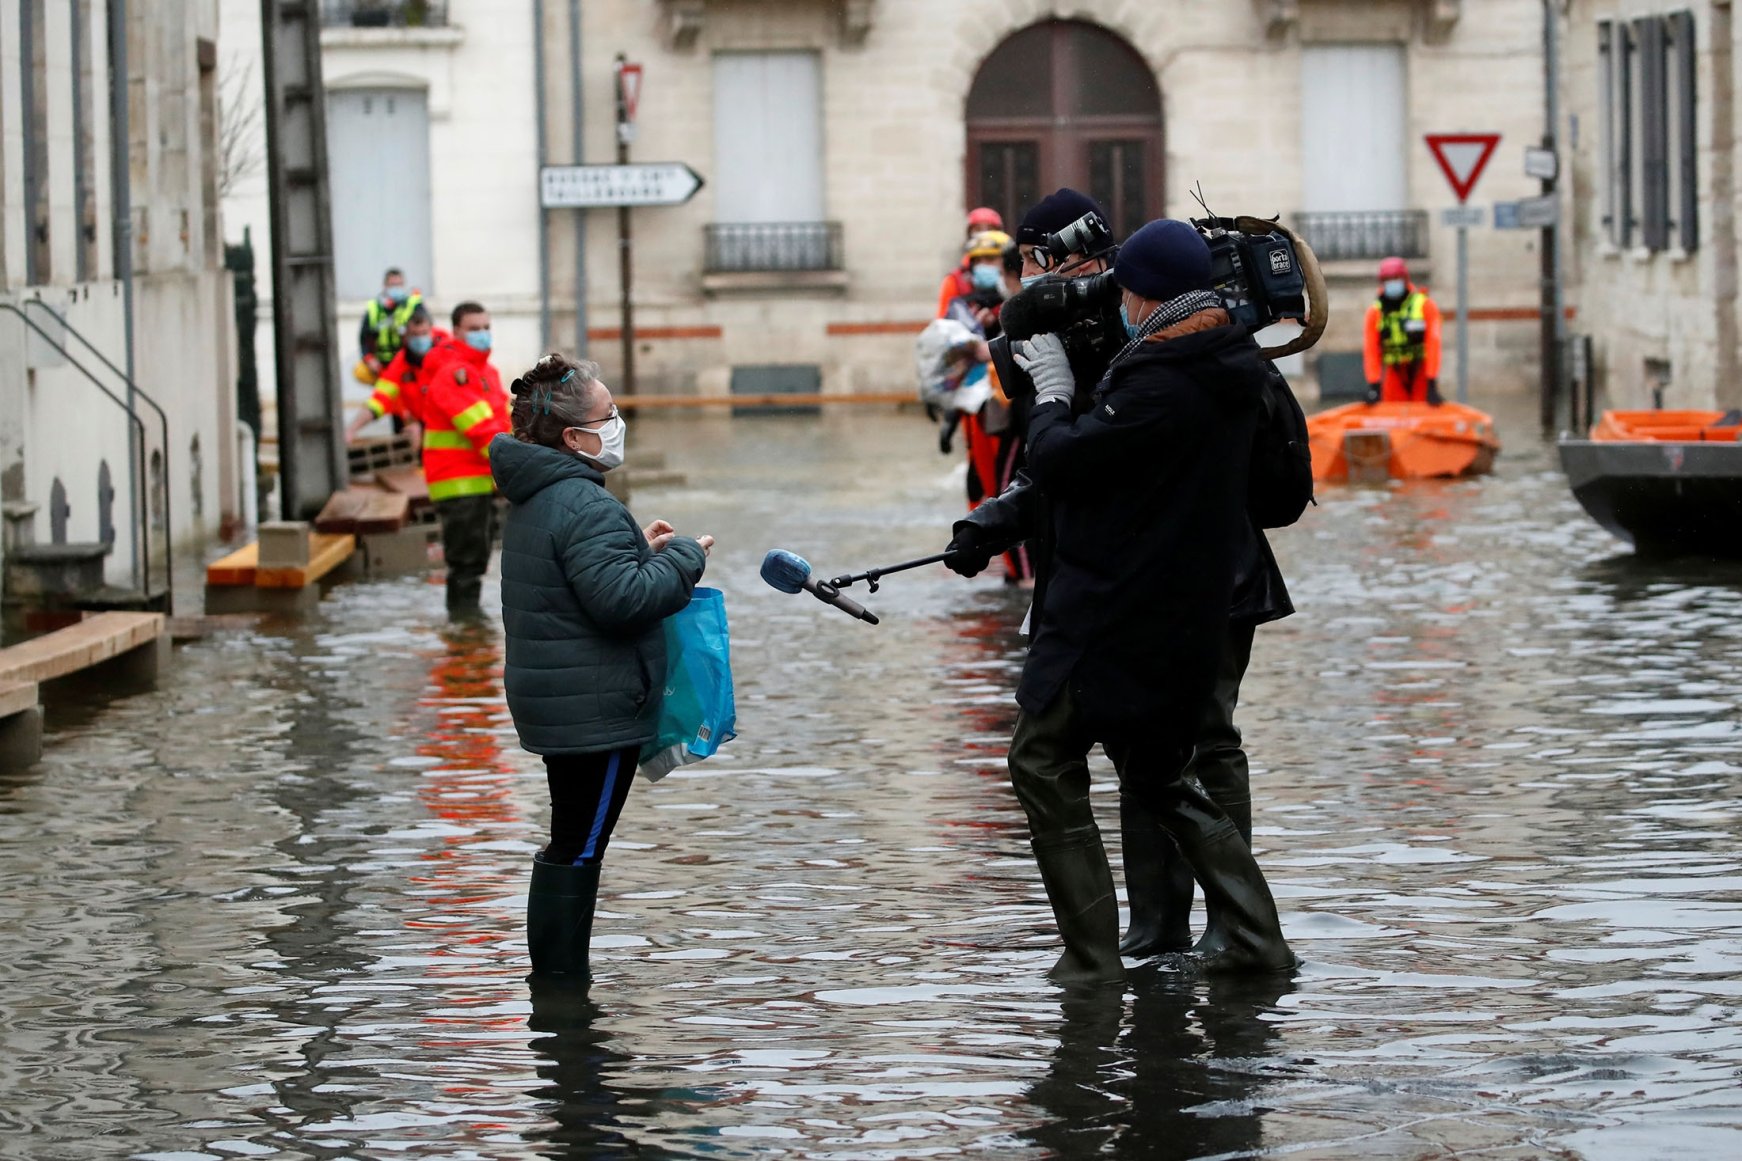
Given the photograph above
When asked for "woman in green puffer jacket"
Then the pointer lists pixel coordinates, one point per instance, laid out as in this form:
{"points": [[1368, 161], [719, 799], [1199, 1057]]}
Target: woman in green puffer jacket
{"points": [[584, 592]]}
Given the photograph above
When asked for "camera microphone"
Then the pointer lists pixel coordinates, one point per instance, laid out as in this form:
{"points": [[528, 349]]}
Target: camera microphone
{"points": [[789, 572]]}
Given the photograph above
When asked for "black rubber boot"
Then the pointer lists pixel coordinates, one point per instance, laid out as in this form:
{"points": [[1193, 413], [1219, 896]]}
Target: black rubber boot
{"points": [[1079, 884], [559, 918], [1244, 933], [1158, 884]]}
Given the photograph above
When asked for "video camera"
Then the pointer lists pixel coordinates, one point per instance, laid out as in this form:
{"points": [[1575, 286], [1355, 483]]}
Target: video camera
{"points": [[1257, 275]]}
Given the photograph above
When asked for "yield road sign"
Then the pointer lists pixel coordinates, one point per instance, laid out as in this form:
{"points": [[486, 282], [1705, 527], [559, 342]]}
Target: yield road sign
{"points": [[1462, 157], [660, 183]]}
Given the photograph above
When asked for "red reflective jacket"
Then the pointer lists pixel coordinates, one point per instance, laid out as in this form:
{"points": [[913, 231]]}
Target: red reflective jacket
{"points": [[399, 389], [464, 408]]}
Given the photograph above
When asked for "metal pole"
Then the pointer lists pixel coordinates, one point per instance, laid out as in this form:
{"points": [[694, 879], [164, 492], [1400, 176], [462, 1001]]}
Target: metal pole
{"points": [[121, 240], [625, 244], [1463, 314], [1554, 319], [577, 127], [543, 160]]}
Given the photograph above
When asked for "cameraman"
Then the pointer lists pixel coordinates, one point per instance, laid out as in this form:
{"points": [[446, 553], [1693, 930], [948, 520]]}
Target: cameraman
{"points": [[1147, 489]]}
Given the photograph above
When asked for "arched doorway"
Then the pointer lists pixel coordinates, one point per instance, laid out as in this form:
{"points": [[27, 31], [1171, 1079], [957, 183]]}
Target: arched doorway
{"points": [[1065, 102]]}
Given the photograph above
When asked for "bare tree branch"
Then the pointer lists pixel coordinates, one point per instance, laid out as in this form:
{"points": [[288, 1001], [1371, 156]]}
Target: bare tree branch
{"points": [[241, 142]]}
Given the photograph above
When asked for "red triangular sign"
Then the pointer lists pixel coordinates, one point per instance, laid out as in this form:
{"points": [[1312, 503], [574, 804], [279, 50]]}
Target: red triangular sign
{"points": [[629, 83], [1463, 157]]}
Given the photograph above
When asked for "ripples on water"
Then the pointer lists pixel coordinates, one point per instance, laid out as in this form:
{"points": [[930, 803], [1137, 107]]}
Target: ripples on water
{"points": [[273, 910]]}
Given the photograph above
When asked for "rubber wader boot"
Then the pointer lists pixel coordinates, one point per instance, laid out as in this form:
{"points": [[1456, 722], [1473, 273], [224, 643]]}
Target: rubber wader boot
{"points": [[1079, 883], [559, 917], [1244, 933], [1158, 884]]}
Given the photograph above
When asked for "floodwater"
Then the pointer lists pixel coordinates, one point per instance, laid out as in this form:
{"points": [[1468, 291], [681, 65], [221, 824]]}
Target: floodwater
{"points": [[274, 908]]}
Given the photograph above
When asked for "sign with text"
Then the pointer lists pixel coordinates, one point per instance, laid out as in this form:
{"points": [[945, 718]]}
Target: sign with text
{"points": [[1461, 217], [1527, 213], [1542, 164], [589, 187], [1463, 157]]}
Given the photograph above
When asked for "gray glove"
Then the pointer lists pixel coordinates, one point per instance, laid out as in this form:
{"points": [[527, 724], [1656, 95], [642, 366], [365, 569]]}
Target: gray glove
{"points": [[1044, 358]]}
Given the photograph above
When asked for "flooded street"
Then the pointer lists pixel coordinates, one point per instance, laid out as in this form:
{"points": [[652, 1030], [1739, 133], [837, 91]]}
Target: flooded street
{"points": [[275, 908]]}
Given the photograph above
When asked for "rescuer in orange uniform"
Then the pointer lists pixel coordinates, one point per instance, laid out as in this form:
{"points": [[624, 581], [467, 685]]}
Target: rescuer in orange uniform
{"points": [[960, 281], [399, 389], [464, 408], [1402, 354]]}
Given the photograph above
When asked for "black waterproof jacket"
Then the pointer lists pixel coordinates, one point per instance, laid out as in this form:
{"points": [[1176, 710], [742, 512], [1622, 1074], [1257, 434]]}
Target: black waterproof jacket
{"points": [[583, 598], [1148, 497], [1020, 515]]}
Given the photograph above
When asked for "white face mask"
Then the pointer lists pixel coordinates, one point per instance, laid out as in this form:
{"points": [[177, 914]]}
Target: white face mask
{"points": [[610, 453]]}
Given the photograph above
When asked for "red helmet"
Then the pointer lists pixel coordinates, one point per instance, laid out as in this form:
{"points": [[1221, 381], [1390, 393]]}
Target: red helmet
{"points": [[985, 218], [1393, 268]]}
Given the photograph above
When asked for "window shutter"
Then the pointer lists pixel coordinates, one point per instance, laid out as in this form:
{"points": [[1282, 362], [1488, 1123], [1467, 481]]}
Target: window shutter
{"points": [[1653, 134], [1687, 146]]}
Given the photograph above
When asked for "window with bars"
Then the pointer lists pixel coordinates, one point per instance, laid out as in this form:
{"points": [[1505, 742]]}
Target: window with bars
{"points": [[1647, 102]]}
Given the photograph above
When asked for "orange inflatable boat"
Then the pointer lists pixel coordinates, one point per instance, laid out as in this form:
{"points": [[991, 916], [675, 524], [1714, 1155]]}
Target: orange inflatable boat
{"points": [[1377, 441], [1669, 481]]}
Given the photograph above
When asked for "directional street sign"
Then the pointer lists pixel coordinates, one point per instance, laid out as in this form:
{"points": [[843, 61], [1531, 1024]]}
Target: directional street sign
{"points": [[1462, 157], [1527, 214], [1462, 217], [660, 183]]}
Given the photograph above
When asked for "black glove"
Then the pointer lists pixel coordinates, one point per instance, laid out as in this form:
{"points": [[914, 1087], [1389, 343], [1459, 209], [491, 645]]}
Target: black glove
{"points": [[1372, 392], [1433, 393], [967, 557]]}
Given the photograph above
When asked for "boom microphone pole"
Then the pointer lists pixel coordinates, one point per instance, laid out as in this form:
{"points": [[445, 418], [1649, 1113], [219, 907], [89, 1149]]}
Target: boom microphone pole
{"points": [[790, 572]]}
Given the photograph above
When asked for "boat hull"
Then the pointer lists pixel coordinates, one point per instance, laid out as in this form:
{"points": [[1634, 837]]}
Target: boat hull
{"points": [[1666, 499], [1364, 442]]}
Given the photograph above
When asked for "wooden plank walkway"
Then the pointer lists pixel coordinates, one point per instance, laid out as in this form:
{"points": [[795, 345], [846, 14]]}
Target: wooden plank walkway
{"points": [[364, 510], [16, 697], [91, 641], [235, 569]]}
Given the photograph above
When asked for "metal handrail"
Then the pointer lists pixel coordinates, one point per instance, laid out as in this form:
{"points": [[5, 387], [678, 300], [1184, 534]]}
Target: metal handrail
{"points": [[142, 516], [144, 457]]}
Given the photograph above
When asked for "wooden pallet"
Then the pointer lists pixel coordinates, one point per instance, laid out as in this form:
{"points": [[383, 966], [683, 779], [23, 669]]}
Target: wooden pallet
{"points": [[326, 551], [364, 510]]}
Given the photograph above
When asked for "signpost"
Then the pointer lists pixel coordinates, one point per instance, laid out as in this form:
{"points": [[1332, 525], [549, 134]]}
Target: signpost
{"points": [[1462, 158]]}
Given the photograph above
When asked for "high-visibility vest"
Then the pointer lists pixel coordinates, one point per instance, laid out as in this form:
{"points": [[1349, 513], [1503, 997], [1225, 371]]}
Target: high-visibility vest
{"points": [[399, 389], [464, 409], [1398, 341], [389, 325]]}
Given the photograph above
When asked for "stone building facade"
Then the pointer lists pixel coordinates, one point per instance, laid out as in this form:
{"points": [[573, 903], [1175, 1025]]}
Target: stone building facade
{"points": [[842, 140], [1650, 94], [74, 466]]}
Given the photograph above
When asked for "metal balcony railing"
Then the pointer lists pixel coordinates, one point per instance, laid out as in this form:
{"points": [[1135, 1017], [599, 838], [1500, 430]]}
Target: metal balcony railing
{"points": [[384, 13], [1371, 234], [743, 247]]}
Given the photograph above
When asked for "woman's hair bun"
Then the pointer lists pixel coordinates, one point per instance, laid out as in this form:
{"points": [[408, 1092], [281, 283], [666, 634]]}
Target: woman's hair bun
{"points": [[518, 387]]}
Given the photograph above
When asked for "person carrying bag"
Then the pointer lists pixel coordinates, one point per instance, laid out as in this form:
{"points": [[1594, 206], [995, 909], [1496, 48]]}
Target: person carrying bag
{"points": [[585, 598]]}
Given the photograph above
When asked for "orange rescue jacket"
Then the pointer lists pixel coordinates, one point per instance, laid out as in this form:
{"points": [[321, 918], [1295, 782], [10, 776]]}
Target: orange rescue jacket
{"points": [[464, 408], [400, 387]]}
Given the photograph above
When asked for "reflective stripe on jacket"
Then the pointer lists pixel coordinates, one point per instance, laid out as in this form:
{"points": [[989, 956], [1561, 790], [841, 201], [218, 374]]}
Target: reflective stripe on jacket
{"points": [[464, 408], [1399, 341], [388, 326]]}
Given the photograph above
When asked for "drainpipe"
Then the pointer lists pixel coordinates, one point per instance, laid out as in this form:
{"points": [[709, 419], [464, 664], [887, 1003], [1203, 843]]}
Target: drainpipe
{"points": [[121, 194], [543, 160], [1728, 392], [578, 155]]}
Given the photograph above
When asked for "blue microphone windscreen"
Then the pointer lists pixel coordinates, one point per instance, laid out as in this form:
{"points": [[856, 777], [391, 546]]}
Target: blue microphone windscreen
{"points": [[786, 571]]}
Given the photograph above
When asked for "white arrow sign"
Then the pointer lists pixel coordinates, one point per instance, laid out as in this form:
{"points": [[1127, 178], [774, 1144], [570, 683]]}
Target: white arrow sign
{"points": [[660, 183]]}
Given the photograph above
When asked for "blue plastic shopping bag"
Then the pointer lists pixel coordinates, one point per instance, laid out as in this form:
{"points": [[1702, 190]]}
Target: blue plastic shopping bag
{"points": [[698, 712]]}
